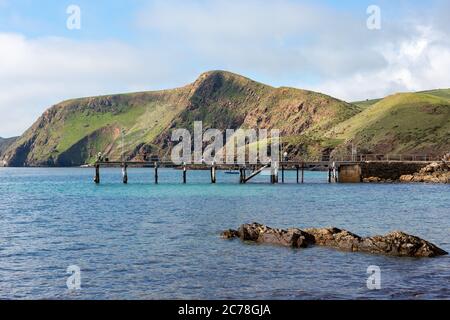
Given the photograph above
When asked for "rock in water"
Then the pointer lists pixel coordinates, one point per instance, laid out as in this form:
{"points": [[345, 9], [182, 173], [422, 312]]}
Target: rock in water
{"points": [[262, 234], [335, 237], [230, 234], [436, 172], [395, 243], [400, 244]]}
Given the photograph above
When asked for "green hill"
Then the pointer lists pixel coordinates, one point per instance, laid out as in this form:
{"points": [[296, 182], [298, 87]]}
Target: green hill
{"points": [[404, 123], [311, 124], [74, 131]]}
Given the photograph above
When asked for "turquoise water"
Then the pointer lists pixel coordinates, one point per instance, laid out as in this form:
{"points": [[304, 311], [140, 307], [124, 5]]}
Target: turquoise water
{"points": [[146, 241]]}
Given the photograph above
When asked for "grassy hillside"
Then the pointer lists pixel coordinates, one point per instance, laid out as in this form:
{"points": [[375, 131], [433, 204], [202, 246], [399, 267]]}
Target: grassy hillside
{"points": [[441, 93], [74, 131], [311, 124], [412, 123], [70, 125], [225, 100]]}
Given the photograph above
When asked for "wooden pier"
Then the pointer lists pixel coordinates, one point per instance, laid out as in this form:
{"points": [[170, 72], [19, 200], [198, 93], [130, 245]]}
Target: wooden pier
{"points": [[246, 172], [338, 171]]}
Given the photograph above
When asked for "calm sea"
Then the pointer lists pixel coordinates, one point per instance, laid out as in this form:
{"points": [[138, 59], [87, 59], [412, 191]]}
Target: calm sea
{"points": [[147, 241]]}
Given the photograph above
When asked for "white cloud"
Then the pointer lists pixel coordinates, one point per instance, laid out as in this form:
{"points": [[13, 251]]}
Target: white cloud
{"points": [[280, 42], [36, 73], [276, 38], [418, 63]]}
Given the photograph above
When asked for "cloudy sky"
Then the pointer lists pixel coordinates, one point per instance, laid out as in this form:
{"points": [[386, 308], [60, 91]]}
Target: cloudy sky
{"points": [[137, 45]]}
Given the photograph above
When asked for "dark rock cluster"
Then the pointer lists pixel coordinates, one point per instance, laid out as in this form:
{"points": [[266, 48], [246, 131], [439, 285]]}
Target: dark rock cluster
{"points": [[395, 243]]}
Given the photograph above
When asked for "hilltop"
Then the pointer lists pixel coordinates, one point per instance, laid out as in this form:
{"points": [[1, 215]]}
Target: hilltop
{"points": [[312, 124]]}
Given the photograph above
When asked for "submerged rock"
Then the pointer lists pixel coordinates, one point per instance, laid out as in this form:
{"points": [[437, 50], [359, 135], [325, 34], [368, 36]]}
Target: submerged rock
{"points": [[395, 243]]}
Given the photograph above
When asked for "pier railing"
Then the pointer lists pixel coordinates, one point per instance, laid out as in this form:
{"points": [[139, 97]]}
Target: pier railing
{"points": [[298, 159], [376, 157]]}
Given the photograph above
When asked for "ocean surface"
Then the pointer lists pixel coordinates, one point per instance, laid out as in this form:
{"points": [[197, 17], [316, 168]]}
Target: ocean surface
{"points": [[147, 241]]}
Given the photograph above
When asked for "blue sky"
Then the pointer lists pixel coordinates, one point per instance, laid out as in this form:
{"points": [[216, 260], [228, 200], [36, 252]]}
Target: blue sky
{"points": [[140, 45]]}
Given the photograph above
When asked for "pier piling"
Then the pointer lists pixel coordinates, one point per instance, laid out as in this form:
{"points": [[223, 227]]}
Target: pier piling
{"points": [[156, 172], [329, 174], [97, 174], [274, 173], [213, 173], [241, 175], [124, 173], [184, 172]]}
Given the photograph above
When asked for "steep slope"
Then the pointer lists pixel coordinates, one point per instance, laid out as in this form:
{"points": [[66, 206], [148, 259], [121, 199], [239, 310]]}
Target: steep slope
{"points": [[405, 123], [73, 132], [224, 100], [5, 143]]}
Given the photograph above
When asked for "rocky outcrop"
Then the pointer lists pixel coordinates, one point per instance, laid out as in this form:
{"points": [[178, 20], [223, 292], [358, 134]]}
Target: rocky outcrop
{"points": [[335, 237], [262, 234], [436, 172], [395, 243], [398, 243]]}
